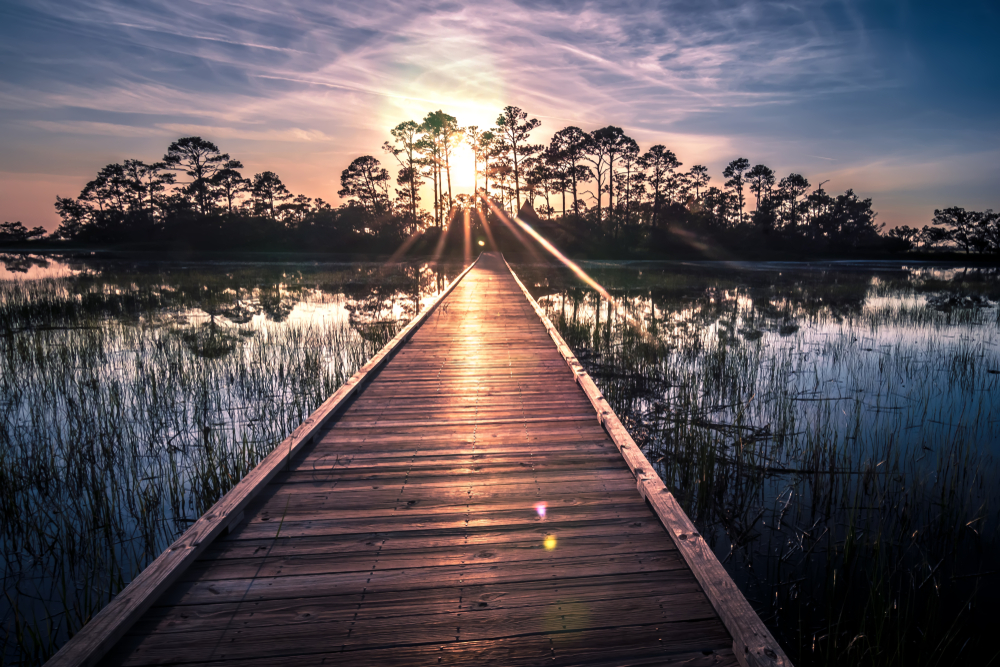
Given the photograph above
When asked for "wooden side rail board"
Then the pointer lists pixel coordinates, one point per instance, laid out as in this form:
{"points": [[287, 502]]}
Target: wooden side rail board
{"points": [[93, 641], [752, 641]]}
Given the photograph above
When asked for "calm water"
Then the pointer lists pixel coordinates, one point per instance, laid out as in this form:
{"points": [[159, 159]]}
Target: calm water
{"points": [[833, 429], [133, 395]]}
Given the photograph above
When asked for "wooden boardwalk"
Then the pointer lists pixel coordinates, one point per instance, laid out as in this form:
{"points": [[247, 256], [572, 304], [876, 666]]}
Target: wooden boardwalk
{"points": [[464, 507]]}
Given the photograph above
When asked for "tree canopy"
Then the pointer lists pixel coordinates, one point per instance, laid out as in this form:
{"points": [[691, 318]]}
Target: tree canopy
{"points": [[597, 192]]}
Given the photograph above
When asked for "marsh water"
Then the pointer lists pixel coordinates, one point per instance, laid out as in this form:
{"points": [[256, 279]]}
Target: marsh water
{"points": [[832, 429], [134, 394]]}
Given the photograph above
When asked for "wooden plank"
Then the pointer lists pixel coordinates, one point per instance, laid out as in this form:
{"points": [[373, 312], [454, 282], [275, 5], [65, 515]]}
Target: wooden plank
{"points": [[88, 645], [676, 616], [441, 600], [689, 644], [481, 545], [458, 519], [303, 586], [753, 644]]}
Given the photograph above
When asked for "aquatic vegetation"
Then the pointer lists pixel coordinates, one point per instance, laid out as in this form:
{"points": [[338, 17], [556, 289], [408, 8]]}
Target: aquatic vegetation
{"points": [[132, 398], [832, 431]]}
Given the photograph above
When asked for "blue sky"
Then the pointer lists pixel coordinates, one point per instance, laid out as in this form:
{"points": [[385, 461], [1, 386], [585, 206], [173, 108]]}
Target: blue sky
{"points": [[897, 100]]}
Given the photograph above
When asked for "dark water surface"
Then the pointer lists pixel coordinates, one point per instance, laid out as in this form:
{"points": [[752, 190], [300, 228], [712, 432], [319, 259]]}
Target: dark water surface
{"points": [[134, 394], [832, 429]]}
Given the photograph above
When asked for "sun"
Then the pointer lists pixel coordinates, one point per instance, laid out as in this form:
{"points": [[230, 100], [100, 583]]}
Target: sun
{"points": [[462, 163]]}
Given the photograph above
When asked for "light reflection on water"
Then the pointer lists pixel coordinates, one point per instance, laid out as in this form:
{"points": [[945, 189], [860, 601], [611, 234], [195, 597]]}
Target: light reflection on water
{"points": [[33, 267]]}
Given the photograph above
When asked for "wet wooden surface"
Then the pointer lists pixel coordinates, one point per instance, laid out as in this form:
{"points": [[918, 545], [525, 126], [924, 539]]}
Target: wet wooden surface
{"points": [[465, 508]]}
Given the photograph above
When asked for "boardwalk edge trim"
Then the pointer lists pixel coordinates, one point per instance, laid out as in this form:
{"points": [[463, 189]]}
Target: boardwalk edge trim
{"points": [[103, 631], [753, 644]]}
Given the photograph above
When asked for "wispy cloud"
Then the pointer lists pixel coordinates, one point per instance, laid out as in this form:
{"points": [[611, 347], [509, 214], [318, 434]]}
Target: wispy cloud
{"points": [[308, 84]]}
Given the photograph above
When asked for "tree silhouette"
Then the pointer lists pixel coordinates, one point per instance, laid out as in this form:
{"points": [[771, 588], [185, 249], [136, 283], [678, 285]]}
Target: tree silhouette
{"points": [[367, 181], [139, 201], [439, 132], [734, 172], [484, 150], [17, 232], [230, 184], [631, 179], [442, 134], [790, 189], [108, 192], [971, 230], [74, 216], [661, 163], [572, 144], [761, 181], [473, 136], [698, 175], [606, 147], [267, 189], [539, 180], [200, 160], [514, 130], [406, 150], [147, 181]]}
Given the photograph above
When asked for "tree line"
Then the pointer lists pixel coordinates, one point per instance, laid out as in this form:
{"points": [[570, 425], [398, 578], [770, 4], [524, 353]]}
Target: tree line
{"points": [[597, 192]]}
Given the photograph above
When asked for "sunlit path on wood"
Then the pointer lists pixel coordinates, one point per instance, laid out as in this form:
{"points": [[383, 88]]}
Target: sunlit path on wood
{"points": [[465, 506]]}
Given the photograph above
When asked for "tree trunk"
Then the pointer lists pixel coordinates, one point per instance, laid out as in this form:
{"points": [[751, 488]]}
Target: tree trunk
{"points": [[517, 178], [447, 169]]}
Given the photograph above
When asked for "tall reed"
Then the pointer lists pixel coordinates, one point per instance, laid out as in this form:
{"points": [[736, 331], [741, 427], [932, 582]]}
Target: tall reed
{"points": [[132, 399], [832, 432]]}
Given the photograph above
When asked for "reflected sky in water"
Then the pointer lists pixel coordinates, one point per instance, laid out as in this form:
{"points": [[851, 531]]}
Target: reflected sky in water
{"points": [[832, 430]]}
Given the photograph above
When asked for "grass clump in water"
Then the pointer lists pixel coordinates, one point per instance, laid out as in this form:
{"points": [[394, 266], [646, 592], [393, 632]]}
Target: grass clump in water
{"points": [[832, 434], [132, 400]]}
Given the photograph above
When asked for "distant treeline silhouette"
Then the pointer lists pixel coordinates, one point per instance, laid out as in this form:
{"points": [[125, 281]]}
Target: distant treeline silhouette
{"points": [[595, 192]]}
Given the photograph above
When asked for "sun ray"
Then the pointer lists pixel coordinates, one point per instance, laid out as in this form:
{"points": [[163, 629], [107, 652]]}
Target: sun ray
{"points": [[502, 216], [404, 247], [439, 248], [542, 241], [467, 246], [486, 228]]}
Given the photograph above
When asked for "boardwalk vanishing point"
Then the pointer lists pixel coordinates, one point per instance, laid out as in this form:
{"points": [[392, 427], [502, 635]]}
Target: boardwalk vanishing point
{"points": [[467, 498]]}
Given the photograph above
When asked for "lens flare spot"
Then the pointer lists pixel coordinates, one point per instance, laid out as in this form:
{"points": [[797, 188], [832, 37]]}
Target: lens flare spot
{"points": [[482, 243], [550, 542], [541, 508]]}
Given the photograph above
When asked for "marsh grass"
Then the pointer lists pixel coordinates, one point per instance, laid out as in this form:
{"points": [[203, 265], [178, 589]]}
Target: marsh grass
{"points": [[833, 434], [132, 399]]}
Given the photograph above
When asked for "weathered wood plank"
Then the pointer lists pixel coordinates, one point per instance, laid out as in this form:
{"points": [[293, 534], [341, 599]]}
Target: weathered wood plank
{"points": [[690, 644], [440, 600]]}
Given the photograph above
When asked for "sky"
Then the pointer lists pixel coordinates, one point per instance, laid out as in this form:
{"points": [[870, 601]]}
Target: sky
{"points": [[898, 100]]}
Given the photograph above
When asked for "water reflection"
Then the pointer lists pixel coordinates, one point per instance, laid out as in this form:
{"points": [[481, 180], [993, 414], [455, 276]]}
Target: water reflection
{"points": [[135, 394], [31, 267], [831, 430]]}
